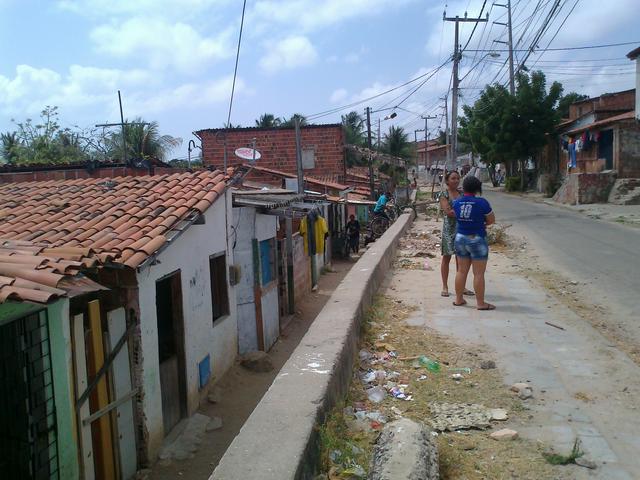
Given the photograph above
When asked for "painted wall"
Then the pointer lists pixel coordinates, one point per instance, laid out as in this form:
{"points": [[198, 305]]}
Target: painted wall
{"points": [[61, 366], [190, 254], [250, 225]]}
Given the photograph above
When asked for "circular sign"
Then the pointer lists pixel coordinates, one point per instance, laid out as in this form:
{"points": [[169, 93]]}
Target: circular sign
{"points": [[247, 153]]}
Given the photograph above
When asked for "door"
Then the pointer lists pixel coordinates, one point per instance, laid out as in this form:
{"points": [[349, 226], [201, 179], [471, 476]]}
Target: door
{"points": [[605, 148], [28, 435], [171, 350]]}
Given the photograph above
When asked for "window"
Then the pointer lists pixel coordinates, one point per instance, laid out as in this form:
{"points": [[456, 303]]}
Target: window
{"points": [[308, 158], [267, 261], [219, 294]]}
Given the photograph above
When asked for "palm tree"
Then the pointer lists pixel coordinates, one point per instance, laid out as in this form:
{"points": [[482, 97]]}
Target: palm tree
{"points": [[353, 125], [268, 120], [396, 142], [9, 147], [143, 141], [291, 121]]}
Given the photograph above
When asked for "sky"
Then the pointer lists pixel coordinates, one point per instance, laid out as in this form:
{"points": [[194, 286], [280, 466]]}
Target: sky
{"points": [[173, 60]]}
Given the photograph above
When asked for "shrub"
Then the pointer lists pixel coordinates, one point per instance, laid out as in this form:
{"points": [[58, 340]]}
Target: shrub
{"points": [[512, 184]]}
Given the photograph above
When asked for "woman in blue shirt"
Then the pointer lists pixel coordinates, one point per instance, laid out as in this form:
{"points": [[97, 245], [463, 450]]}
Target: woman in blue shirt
{"points": [[473, 214]]}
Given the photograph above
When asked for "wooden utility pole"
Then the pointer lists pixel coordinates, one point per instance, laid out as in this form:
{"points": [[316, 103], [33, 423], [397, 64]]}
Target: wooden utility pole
{"points": [[457, 55], [426, 138], [122, 124], [371, 182], [512, 83], [299, 170]]}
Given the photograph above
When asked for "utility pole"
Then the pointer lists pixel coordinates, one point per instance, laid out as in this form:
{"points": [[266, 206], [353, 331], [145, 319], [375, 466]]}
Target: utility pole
{"points": [[512, 83], [378, 134], [371, 183], [122, 124], [457, 55], [426, 138], [296, 122]]}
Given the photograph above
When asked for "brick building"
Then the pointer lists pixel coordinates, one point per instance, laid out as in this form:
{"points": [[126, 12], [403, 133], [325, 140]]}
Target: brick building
{"points": [[322, 148]]}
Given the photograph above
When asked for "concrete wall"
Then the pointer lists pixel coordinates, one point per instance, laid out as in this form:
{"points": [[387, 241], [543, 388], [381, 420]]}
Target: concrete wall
{"points": [[61, 366], [249, 226], [584, 188], [278, 147], [190, 254], [278, 441], [627, 162]]}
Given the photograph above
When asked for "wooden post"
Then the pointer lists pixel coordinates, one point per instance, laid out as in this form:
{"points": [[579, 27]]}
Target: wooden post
{"points": [[103, 425], [80, 359]]}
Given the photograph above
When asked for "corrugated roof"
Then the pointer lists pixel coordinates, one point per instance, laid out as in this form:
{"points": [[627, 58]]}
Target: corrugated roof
{"points": [[601, 123], [307, 178], [266, 200]]}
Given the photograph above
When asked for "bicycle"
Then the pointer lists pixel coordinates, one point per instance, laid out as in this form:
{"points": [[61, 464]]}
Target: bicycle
{"points": [[379, 224]]}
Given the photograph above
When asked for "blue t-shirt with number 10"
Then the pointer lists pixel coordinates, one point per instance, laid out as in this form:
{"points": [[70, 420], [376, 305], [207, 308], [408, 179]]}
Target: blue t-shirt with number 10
{"points": [[470, 213]]}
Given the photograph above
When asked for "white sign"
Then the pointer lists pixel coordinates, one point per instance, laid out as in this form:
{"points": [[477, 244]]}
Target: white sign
{"points": [[247, 153]]}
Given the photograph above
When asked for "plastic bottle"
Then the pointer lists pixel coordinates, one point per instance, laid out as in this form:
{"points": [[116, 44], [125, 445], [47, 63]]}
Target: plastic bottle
{"points": [[431, 365]]}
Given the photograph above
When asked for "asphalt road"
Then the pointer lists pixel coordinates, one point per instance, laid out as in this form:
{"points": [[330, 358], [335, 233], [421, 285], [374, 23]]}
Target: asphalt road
{"points": [[601, 254]]}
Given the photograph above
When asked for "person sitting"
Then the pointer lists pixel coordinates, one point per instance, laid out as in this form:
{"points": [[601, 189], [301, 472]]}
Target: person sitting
{"points": [[381, 205]]}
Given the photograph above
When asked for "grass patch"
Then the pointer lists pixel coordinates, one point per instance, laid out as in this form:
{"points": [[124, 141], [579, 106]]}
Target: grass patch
{"points": [[558, 459]]}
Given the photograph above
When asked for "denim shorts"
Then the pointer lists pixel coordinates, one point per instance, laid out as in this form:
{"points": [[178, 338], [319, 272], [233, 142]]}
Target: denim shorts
{"points": [[471, 246]]}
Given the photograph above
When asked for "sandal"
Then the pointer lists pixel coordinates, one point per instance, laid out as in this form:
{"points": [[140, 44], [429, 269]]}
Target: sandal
{"points": [[459, 304], [468, 293], [488, 306], [444, 293]]}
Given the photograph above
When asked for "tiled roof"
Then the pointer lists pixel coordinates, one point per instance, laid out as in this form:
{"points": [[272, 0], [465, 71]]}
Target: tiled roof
{"points": [[40, 273], [314, 180], [360, 171], [601, 123], [129, 217]]}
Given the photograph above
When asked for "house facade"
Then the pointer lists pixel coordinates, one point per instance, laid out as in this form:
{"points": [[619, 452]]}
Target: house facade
{"points": [[127, 281]]}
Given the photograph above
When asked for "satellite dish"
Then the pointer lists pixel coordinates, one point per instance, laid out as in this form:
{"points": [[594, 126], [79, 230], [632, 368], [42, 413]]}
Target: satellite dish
{"points": [[247, 153]]}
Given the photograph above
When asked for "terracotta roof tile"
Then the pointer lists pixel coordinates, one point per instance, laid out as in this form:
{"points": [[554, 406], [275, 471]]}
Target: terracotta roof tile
{"points": [[75, 224]]}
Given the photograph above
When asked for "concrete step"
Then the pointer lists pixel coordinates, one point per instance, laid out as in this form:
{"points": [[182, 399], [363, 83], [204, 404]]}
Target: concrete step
{"points": [[625, 191]]}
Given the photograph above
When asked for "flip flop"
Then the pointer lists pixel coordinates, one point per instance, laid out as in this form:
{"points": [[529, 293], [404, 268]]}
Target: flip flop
{"points": [[459, 304], [444, 294], [468, 293], [487, 307]]}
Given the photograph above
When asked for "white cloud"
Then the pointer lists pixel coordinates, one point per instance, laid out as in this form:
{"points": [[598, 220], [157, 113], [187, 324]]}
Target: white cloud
{"points": [[310, 15], [186, 96], [170, 8], [291, 52], [30, 89], [161, 44], [338, 95]]}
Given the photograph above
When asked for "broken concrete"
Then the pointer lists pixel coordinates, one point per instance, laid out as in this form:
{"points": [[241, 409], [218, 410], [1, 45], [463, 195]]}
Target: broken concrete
{"points": [[504, 435], [405, 450]]}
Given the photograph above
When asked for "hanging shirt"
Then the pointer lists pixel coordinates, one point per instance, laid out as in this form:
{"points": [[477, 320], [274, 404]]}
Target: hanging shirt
{"points": [[303, 231], [321, 230], [381, 203], [572, 155]]}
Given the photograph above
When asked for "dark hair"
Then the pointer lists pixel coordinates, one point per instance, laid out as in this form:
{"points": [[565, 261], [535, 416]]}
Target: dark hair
{"points": [[448, 174], [472, 185]]}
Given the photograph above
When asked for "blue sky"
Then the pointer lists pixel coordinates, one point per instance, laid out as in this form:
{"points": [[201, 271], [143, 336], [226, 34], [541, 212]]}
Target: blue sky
{"points": [[173, 59]]}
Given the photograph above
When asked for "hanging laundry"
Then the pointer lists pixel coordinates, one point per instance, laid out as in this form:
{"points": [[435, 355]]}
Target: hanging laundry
{"points": [[586, 140], [573, 161], [321, 232], [303, 230], [579, 145]]}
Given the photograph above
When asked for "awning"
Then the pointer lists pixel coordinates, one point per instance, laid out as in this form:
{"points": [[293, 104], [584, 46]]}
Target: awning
{"points": [[265, 200]]}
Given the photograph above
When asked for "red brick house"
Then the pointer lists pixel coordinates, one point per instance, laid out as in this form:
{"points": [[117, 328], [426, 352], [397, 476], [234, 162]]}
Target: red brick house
{"points": [[322, 148]]}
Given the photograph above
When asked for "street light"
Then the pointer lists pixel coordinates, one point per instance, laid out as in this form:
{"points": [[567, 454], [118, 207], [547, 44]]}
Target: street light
{"points": [[490, 54]]}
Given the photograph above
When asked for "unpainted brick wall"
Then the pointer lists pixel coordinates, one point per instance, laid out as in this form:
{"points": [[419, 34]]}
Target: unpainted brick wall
{"points": [[78, 173], [278, 148]]}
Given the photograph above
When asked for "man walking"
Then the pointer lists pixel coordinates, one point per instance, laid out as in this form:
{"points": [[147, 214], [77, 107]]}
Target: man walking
{"points": [[353, 232]]}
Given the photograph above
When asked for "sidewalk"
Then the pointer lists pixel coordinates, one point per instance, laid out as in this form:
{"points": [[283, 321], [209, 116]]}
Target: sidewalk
{"points": [[583, 386]]}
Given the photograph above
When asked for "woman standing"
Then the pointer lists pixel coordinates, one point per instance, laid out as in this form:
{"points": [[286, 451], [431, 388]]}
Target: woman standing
{"points": [[451, 193], [473, 214]]}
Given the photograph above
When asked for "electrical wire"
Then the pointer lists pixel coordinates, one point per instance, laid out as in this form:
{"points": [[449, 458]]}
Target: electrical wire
{"points": [[235, 70], [564, 49]]}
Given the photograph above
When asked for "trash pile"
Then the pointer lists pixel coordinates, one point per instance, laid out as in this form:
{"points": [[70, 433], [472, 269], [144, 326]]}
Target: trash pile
{"points": [[417, 246]]}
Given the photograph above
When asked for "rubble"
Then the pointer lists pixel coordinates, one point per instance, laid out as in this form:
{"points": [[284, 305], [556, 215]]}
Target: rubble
{"points": [[459, 416], [487, 365]]}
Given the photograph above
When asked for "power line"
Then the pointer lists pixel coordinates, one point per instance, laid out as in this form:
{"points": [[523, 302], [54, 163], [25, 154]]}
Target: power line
{"points": [[564, 48]]}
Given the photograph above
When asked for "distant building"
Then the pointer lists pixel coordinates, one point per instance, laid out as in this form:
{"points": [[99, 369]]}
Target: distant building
{"points": [[635, 56], [323, 151]]}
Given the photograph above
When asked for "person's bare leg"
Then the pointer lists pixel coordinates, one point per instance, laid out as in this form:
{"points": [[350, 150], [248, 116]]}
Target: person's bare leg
{"points": [[479, 267], [466, 290], [444, 272], [461, 278]]}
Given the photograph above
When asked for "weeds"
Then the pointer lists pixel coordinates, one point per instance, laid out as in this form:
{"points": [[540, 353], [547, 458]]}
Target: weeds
{"points": [[558, 459]]}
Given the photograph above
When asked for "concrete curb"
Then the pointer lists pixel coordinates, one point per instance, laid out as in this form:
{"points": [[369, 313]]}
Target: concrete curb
{"points": [[279, 439]]}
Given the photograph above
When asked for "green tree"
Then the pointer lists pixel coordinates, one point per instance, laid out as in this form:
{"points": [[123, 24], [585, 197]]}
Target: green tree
{"points": [[568, 99], [143, 141], [291, 121], [396, 142], [504, 128], [268, 120], [10, 147], [353, 126]]}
